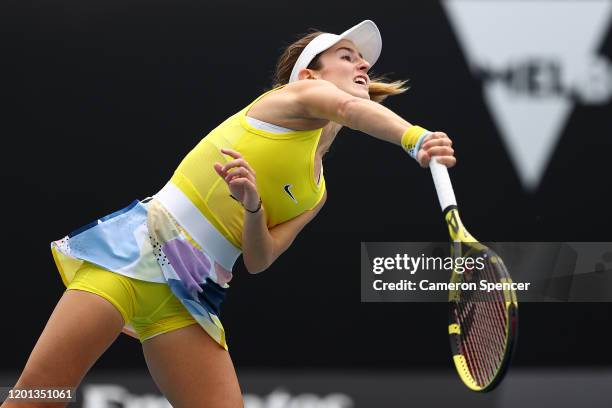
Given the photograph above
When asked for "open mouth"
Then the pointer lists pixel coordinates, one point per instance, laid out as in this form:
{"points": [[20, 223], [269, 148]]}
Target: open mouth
{"points": [[361, 80]]}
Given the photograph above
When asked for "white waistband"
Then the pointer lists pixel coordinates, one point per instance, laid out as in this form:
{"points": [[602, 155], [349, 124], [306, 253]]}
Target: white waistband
{"points": [[196, 225]]}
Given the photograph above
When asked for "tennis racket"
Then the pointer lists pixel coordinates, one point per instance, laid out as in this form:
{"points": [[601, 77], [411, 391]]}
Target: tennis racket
{"points": [[482, 325]]}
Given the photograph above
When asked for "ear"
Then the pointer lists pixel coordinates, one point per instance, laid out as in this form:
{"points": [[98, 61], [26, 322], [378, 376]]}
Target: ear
{"points": [[306, 73]]}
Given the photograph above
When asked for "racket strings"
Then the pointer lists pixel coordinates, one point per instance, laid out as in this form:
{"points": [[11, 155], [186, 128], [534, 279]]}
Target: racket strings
{"points": [[473, 349], [491, 325], [495, 310], [468, 348], [479, 339], [482, 318], [489, 334]]}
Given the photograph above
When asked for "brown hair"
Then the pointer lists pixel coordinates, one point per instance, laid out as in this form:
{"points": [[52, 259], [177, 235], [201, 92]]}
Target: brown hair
{"points": [[379, 88]]}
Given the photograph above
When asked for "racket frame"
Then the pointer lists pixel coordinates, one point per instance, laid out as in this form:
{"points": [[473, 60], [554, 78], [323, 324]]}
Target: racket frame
{"points": [[461, 237]]}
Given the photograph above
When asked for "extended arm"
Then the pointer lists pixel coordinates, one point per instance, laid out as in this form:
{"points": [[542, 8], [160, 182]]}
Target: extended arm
{"points": [[310, 104], [321, 99]]}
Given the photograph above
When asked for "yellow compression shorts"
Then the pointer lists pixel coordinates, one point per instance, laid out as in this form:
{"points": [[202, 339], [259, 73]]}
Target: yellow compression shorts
{"points": [[151, 308]]}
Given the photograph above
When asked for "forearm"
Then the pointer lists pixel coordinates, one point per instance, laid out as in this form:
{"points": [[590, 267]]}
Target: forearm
{"points": [[323, 100], [374, 119], [258, 247]]}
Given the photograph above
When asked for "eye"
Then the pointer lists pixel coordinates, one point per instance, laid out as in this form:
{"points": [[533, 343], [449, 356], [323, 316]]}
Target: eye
{"points": [[346, 57]]}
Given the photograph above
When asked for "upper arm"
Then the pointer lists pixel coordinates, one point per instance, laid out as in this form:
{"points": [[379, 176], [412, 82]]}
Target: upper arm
{"points": [[320, 99], [284, 233], [303, 105]]}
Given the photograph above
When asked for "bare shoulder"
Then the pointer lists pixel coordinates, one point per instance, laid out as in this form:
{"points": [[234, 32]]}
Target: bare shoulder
{"points": [[284, 106], [301, 90]]}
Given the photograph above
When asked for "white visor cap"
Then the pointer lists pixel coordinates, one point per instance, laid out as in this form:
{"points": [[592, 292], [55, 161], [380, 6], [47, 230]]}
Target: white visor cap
{"points": [[364, 35]]}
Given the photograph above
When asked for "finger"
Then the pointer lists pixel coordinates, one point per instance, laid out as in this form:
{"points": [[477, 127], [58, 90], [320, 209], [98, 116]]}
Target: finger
{"points": [[223, 174], [243, 183], [231, 152], [246, 176], [219, 169], [448, 161], [237, 163], [440, 151], [437, 142], [423, 158], [236, 172], [240, 163], [250, 176], [241, 171], [439, 135]]}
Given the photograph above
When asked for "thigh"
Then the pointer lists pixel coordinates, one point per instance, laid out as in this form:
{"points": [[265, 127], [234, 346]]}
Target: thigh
{"points": [[192, 370], [157, 310], [82, 326]]}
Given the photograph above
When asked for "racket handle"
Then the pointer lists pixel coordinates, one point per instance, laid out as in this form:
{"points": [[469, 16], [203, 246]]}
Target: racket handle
{"points": [[442, 181]]}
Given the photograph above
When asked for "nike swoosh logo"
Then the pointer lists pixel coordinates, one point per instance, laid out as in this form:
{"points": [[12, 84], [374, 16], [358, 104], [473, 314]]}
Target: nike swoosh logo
{"points": [[287, 188]]}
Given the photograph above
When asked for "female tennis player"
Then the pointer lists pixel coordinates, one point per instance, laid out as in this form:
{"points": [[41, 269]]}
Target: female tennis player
{"points": [[159, 268]]}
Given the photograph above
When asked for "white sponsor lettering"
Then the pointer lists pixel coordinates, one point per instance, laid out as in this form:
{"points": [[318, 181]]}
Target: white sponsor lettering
{"points": [[537, 60]]}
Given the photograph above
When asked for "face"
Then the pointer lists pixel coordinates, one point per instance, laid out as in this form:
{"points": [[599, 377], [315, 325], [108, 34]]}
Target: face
{"points": [[345, 67]]}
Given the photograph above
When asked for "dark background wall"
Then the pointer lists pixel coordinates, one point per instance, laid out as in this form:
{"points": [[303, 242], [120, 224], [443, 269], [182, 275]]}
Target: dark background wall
{"points": [[103, 98]]}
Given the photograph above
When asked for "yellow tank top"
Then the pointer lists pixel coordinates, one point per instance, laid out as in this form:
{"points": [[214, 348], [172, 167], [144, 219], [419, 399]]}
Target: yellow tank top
{"points": [[283, 163]]}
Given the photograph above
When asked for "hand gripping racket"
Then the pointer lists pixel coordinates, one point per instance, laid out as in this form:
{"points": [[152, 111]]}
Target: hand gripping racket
{"points": [[482, 325]]}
